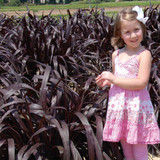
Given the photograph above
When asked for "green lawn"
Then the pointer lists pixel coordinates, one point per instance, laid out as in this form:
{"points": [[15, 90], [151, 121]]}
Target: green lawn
{"points": [[78, 5]]}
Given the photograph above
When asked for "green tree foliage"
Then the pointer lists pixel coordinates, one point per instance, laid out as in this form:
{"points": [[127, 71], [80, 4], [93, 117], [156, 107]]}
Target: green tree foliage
{"points": [[14, 3], [1, 2], [52, 2]]}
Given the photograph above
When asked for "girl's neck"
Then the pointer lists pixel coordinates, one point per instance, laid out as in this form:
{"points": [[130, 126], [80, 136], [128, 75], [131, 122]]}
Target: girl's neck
{"points": [[133, 50], [130, 49]]}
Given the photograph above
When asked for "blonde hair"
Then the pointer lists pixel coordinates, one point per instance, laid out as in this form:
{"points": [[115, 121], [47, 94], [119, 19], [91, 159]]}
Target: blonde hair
{"points": [[125, 14]]}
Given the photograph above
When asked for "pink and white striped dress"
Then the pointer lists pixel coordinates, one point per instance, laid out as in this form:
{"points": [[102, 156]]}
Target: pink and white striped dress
{"points": [[130, 113]]}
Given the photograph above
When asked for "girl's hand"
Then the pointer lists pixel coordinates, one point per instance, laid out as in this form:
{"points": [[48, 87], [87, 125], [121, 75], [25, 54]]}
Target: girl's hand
{"points": [[106, 75], [105, 78], [103, 83]]}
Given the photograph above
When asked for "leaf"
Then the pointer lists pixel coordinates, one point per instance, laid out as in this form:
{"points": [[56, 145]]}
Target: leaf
{"points": [[11, 149], [91, 139], [2, 142], [30, 151], [6, 114], [76, 155], [63, 131], [22, 151]]}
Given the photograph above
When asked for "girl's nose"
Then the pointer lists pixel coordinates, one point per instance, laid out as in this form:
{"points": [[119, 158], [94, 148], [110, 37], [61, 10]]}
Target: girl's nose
{"points": [[133, 35]]}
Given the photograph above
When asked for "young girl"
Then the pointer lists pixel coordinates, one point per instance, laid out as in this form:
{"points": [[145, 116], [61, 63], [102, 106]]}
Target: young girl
{"points": [[130, 116]]}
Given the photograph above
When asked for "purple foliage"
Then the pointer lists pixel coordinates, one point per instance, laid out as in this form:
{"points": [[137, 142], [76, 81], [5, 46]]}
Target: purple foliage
{"points": [[50, 106]]}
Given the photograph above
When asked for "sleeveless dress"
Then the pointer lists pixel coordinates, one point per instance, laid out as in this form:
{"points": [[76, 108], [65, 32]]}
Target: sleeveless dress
{"points": [[130, 113]]}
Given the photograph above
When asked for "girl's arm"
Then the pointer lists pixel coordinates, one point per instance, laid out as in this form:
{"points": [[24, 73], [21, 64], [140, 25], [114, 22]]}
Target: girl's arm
{"points": [[143, 75], [113, 60]]}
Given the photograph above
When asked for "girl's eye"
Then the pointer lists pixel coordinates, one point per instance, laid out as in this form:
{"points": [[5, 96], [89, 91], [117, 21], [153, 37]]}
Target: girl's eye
{"points": [[127, 32], [137, 29]]}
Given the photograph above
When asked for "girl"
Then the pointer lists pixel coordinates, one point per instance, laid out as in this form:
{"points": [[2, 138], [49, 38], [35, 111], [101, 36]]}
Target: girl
{"points": [[130, 117]]}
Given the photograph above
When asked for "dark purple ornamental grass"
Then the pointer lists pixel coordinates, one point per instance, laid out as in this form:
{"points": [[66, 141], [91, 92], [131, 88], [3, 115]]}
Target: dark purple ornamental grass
{"points": [[50, 106]]}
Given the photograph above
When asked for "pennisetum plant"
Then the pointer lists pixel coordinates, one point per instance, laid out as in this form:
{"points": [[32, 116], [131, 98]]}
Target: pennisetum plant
{"points": [[50, 106]]}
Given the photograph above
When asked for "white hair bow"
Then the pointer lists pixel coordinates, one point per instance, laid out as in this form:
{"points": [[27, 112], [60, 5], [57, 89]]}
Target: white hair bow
{"points": [[140, 15]]}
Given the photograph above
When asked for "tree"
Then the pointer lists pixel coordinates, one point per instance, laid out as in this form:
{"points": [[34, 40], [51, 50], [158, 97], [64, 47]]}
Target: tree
{"points": [[1, 2], [15, 2], [52, 2]]}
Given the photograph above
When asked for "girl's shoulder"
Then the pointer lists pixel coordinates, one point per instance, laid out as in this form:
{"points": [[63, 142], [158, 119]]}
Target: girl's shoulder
{"points": [[116, 53], [144, 57], [144, 52]]}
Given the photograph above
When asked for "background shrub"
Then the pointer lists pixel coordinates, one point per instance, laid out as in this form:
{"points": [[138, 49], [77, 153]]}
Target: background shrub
{"points": [[1, 2], [14, 3]]}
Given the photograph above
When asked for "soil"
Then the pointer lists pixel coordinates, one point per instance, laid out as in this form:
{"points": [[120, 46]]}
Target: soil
{"points": [[55, 12], [153, 157]]}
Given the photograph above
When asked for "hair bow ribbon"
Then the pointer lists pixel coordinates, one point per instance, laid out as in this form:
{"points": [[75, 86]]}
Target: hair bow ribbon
{"points": [[140, 15]]}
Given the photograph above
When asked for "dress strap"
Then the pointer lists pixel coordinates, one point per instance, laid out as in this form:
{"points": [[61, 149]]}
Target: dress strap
{"points": [[117, 53], [138, 54]]}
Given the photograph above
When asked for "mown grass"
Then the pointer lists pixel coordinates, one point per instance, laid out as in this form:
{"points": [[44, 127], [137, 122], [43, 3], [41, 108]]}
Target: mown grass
{"points": [[77, 6]]}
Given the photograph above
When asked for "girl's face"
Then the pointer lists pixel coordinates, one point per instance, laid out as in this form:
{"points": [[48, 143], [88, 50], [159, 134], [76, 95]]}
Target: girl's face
{"points": [[131, 33]]}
